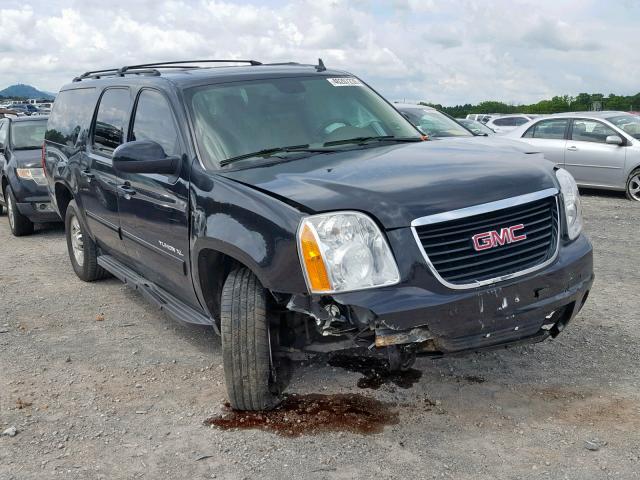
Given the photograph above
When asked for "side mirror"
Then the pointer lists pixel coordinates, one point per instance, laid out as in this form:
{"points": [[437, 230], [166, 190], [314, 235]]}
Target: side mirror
{"points": [[614, 140], [144, 156]]}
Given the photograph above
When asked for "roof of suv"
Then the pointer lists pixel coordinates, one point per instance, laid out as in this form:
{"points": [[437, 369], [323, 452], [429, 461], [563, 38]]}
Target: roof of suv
{"points": [[187, 75]]}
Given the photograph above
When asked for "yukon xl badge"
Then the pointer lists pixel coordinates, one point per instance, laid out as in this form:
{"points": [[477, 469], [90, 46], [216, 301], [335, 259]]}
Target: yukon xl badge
{"points": [[493, 238]]}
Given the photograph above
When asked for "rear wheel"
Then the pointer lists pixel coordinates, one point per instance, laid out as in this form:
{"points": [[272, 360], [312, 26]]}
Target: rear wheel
{"points": [[633, 185], [249, 368], [83, 252], [19, 224]]}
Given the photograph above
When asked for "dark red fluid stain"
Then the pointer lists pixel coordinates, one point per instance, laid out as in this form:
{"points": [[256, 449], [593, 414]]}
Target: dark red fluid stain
{"points": [[312, 414], [376, 371]]}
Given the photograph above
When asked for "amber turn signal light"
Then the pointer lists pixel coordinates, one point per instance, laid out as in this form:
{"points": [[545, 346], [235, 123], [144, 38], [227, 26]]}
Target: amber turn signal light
{"points": [[312, 257]]}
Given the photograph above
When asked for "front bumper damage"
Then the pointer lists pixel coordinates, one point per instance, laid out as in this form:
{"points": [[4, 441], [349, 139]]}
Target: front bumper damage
{"points": [[437, 320]]}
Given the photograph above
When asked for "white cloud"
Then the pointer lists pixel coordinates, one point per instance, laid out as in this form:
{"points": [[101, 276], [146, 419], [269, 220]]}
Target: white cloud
{"points": [[446, 52]]}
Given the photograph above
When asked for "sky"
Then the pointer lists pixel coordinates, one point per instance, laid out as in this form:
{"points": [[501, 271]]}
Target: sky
{"points": [[441, 51]]}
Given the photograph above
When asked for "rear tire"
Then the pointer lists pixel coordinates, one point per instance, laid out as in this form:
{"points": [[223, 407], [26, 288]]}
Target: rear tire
{"points": [[83, 252], [633, 186], [19, 224], [246, 343]]}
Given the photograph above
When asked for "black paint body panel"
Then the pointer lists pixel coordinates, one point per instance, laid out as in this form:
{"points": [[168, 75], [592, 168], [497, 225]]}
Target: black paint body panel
{"points": [[251, 213]]}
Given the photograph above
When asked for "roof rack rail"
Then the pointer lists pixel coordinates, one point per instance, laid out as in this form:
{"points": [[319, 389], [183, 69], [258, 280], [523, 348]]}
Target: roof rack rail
{"points": [[152, 68]]}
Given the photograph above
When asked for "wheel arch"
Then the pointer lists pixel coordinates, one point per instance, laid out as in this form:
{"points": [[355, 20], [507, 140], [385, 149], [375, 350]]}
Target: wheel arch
{"points": [[213, 260], [63, 196]]}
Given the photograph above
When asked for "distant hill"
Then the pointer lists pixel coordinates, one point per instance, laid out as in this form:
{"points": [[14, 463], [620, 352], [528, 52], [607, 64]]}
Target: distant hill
{"points": [[25, 91]]}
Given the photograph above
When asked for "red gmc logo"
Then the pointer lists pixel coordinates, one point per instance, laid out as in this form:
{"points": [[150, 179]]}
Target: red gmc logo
{"points": [[492, 239]]}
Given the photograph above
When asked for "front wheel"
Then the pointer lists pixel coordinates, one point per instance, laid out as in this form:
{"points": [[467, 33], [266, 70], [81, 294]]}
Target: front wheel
{"points": [[633, 185], [83, 252], [249, 368], [19, 224]]}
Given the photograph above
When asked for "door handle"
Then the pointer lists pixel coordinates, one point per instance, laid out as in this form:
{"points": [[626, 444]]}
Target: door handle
{"points": [[126, 191], [87, 174], [572, 148]]}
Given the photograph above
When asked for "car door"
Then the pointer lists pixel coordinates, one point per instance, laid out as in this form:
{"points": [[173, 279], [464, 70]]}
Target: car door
{"points": [[549, 137], [154, 209], [590, 159], [4, 129], [97, 178]]}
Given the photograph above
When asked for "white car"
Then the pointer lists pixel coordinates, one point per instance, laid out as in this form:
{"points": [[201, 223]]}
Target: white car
{"points": [[507, 123], [600, 149]]}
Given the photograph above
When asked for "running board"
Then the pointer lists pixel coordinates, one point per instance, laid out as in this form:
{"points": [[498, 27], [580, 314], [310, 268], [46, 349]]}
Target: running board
{"points": [[157, 296]]}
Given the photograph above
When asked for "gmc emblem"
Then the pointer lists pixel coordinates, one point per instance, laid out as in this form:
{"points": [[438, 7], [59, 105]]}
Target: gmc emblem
{"points": [[492, 239]]}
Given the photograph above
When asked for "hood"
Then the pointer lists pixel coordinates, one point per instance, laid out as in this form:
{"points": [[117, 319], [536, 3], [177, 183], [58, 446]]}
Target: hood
{"points": [[27, 158], [497, 142], [399, 183]]}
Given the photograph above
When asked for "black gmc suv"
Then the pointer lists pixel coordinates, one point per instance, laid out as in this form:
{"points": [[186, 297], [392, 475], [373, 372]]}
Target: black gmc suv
{"points": [[23, 187], [293, 209]]}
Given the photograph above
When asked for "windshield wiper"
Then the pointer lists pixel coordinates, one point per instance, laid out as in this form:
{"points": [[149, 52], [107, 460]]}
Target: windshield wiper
{"points": [[267, 152], [380, 138]]}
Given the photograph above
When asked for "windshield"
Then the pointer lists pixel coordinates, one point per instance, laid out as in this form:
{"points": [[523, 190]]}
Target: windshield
{"points": [[27, 135], [628, 123], [237, 119], [476, 127], [435, 124]]}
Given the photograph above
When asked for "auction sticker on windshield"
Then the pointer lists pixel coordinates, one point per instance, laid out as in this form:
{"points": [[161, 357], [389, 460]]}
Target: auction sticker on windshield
{"points": [[345, 82]]}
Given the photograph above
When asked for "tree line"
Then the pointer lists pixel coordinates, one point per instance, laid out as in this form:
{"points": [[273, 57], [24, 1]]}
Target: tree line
{"points": [[564, 103]]}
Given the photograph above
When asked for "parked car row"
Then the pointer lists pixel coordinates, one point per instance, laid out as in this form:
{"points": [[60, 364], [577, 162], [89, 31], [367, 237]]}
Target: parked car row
{"points": [[294, 209]]}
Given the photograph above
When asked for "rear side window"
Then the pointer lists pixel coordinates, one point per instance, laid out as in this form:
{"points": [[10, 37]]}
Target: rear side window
{"points": [[70, 115], [503, 122], [154, 121], [553, 129], [111, 120], [517, 121], [3, 132], [590, 131]]}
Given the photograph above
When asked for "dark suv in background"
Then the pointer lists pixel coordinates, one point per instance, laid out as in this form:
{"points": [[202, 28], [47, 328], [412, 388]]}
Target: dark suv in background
{"points": [[292, 208], [23, 187]]}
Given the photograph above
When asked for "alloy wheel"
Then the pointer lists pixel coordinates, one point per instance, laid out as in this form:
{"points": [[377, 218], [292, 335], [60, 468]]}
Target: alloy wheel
{"points": [[77, 241], [634, 187], [10, 208]]}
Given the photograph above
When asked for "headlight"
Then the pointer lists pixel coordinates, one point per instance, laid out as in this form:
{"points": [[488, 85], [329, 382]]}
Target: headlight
{"points": [[35, 174], [572, 204], [344, 251]]}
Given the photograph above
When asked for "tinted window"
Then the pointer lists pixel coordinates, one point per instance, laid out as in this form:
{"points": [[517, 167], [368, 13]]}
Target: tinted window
{"points": [[549, 129], [517, 121], [70, 115], [111, 120], [590, 131], [154, 121], [28, 135]]}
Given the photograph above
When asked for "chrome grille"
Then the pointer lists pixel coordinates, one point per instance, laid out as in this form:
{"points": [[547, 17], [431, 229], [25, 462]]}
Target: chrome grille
{"points": [[449, 248]]}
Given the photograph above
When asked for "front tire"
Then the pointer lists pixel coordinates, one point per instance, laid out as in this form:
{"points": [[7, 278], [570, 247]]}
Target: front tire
{"points": [[19, 224], [83, 252], [246, 343], [633, 186]]}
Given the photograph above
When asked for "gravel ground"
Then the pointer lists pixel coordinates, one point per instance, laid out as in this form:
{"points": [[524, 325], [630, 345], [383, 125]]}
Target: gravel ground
{"points": [[100, 385]]}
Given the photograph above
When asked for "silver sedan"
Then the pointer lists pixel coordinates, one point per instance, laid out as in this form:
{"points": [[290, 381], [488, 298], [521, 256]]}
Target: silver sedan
{"points": [[600, 149]]}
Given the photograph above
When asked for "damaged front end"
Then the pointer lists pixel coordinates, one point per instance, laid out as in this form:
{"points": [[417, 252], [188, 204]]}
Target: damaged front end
{"points": [[406, 320]]}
